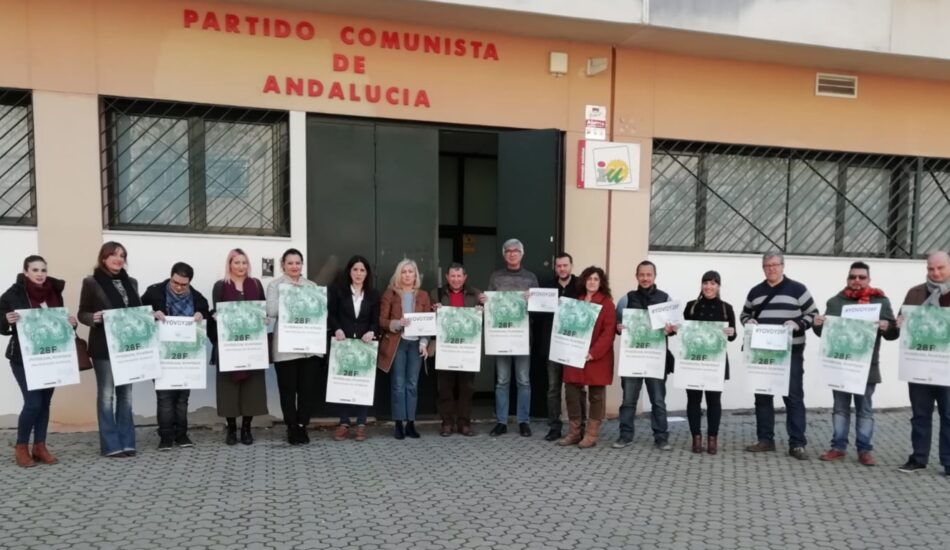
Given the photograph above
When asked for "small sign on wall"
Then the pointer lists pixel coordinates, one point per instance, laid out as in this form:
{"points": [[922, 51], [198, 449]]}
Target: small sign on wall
{"points": [[595, 122], [608, 165]]}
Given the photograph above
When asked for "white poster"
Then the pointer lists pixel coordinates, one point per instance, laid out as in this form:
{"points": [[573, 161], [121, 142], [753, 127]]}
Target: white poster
{"points": [[572, 331], [184, 364], [351, 376], [768, 371], [770, 337], [458, 345], [132, 338], [642, 349], [542, 300], [701, 364], [242, 336], [506, 324], [302, 319], [866, 312], [847, 347], [48, 345], [176, 329], [420, 324], [667, 313], [925, 345]]}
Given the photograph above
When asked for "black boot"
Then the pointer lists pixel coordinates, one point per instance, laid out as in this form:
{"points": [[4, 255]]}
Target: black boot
{"points": [[231, 436], [398, 433], [411, 430], [292, 437], [302, 437], [246, 438]]}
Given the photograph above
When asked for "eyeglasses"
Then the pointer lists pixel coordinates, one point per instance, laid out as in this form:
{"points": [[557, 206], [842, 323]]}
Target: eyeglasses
{"points": [[858, 277], [769, 266], [512, 251]]}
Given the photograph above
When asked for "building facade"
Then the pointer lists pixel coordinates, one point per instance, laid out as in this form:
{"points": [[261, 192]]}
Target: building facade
{"points": [[436, 130]]}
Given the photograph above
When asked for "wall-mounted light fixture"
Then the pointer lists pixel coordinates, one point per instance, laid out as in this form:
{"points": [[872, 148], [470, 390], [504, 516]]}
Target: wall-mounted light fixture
{"points": [[558, 64], [596, 65]]}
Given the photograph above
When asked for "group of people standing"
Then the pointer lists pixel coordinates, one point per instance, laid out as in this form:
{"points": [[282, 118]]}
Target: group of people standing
{"points": [[357, 310]]}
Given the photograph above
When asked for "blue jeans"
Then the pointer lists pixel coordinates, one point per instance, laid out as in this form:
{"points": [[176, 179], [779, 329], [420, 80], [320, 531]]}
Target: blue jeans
{"points": [[794, 406], [863, 425], [404, 379], [656, 390], [34, 417], [503, 383], [922, 399], [114, 411], [346, 412]]}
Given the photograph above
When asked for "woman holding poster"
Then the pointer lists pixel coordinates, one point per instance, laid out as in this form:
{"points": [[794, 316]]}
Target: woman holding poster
{"points": [[598, 371], [296, 372], [109, 287], [708, 307], [353, 313], [32, 289], [398, 351], [242, 393]]}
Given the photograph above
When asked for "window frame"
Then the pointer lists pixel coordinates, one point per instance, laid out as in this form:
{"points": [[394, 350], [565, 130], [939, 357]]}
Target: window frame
{"points": [[15, 97], [197, 117]]}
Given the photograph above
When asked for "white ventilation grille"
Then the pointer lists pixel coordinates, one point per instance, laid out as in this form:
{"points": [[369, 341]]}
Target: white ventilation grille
{"points": [[836, 85]]}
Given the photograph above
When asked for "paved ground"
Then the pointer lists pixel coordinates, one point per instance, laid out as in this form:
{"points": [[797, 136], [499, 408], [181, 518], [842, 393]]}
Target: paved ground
{"points": [[476, 492]]}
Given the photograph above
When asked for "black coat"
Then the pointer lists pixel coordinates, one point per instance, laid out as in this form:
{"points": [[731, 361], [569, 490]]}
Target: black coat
{"points": [[93, 298], [16, 298], [155, 296], [342, 317], [712, 310]]}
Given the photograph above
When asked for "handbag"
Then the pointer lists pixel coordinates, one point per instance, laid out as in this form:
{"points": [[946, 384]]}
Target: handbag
{"points": [[82, 353]]}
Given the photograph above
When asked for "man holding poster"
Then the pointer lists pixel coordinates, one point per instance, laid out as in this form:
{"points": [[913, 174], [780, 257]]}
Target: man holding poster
{"points": [[646, 295], [565, 283], [512, 278], [779, 300], [858, 292], [456, 387], [170, 299], [934, 293]]}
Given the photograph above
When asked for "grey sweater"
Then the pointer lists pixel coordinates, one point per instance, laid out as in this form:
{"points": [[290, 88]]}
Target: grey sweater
{"points": [[507, 280]]}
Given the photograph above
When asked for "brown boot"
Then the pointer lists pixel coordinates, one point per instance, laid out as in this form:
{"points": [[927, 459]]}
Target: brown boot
{"points": [[341, 432], [591, 434], [360, 433], [22, 454], [42, 454], [465, 427], [712, 445], [573, 436], [697, 444], [446, 429]]}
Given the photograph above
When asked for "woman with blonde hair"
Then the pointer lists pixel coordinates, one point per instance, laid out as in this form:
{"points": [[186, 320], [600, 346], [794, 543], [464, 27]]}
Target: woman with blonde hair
{"points": [[402, 355], [242, 393]]}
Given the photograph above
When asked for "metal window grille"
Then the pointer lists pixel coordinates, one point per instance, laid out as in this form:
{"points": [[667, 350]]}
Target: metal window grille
{"points": [[17, 180], [194, 168], [713, 197]]}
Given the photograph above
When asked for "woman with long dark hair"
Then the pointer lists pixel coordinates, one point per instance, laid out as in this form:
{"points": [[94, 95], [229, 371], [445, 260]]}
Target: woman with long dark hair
{"points": [[598, 371], [708, 307], [33, 288], [296, 372], [109, 287], [353, 306]]}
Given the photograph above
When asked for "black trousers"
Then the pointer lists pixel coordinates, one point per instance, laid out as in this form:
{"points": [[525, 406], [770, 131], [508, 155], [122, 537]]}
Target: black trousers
{"points": [[694, 401], [297, 384]]}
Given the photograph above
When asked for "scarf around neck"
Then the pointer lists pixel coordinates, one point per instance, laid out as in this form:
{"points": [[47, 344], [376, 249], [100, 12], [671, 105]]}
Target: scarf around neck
{"points": [[936, 290], [42, 294], [109, 282], [864, 295]]}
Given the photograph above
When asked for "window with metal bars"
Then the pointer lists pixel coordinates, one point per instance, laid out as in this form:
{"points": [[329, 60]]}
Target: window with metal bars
{"points": [[713, 197], [194, 168], [17, 180]]}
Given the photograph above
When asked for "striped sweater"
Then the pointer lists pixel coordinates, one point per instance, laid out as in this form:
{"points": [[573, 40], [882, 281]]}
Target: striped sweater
{"points": [[792, 302]]}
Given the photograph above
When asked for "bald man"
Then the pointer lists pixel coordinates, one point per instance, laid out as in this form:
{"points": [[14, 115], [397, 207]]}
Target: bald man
{"points": [[935, 292]]}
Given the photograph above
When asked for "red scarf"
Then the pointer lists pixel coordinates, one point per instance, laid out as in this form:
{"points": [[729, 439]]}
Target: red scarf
{"points": [[40, 294], [864, 295]]}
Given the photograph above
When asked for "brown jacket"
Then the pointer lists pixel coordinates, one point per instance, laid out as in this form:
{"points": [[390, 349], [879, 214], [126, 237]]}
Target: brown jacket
{"points": [[390, 309], [919, 294]]}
